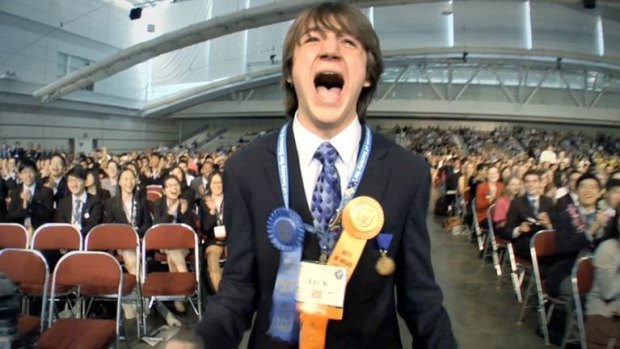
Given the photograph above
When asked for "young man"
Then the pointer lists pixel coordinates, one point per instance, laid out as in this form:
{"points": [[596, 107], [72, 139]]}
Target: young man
{"points": [[529, 214], [200, 184], [56, 179], [579, 228], [31, 204], [571, 197], [332, 63], [81, 209]]}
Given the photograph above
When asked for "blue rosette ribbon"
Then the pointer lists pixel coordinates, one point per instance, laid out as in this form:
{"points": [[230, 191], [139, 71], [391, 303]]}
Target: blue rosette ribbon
{"points": [[286, 231]]}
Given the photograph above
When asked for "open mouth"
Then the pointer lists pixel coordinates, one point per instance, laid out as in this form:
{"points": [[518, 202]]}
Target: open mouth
{"points": [[328, 86]]}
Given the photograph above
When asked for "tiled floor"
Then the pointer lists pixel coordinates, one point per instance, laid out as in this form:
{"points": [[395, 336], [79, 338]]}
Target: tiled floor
{"points": [[483, 315]]}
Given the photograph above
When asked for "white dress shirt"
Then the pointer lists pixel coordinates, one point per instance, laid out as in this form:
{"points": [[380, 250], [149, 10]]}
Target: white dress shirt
{"points": [[346, 143]]}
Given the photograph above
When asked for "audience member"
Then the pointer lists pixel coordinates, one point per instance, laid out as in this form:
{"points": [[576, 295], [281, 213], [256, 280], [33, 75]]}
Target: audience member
{"points": [[213, 225], [514, 188], [603, 300], [486, 194], [529, 214], [80, 208], [30, 204], [93, 185], [171, 208]]}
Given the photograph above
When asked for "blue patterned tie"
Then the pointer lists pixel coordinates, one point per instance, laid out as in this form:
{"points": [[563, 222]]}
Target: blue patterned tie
{"points": [[327, 195]]}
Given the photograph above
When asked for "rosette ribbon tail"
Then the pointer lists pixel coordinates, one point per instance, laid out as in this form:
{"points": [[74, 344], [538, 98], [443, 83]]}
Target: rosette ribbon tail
{"points": [[286, 231]]}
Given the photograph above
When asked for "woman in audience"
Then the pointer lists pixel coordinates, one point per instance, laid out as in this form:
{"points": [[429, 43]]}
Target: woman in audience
{"points": [[111, 182], [603, 301], [187, 192], [514, 188], [128, 208], [171, 208], [486, 193], [506, 174], [93, 186], [212, 212]]}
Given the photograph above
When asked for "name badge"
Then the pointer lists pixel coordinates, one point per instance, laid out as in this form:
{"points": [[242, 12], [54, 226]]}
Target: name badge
{"points": [[220, 232], [321, 285]]}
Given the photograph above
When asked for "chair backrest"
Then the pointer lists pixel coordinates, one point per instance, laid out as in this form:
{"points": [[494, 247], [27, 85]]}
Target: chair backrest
{"points": [[153, 195], [169, 236], [56, 236], [583, 276], [88, 268], [24, 266], [543, 244], [155, 188], [13, 235], [112, 237]]}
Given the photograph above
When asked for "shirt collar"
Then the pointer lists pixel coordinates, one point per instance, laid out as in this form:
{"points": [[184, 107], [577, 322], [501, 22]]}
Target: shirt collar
{"points": [[81, 197], [346, 142], [30, 188]]}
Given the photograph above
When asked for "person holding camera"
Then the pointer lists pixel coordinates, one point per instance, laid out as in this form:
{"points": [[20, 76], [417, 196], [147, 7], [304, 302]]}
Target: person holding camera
{"points": [[528, 214]]}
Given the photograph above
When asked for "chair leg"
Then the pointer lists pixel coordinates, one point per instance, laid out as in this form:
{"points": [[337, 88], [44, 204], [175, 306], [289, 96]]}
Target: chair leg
{"points": [[543, 321], [496, 262], [528, 294], [570, 327]]}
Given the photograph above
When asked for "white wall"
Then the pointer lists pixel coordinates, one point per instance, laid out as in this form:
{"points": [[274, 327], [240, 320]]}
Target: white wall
{"points": [[33, 32], [117, 133]]}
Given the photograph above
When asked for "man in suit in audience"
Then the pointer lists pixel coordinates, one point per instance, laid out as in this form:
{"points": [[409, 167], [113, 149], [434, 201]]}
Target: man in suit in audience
{"points": [[80, 209], [571, 197], [56, 179], [31, 204], [157, 172], [200, 184], [332, 63], [578, 228], [529, 214]]}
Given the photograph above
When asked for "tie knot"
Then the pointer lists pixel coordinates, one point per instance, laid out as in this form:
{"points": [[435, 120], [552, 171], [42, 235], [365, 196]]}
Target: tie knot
{"points": [[326, 154]]}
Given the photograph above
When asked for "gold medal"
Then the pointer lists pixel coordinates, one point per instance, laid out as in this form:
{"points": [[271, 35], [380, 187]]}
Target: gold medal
{"points": [[363, 218], [385, 265]]}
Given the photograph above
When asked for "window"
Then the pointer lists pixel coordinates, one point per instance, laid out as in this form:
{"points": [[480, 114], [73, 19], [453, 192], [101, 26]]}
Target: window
{"points": [[68, 64]]}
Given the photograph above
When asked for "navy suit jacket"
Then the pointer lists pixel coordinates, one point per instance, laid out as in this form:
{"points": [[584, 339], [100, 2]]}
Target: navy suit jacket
{"points": [[401, 182], [40, 210]]}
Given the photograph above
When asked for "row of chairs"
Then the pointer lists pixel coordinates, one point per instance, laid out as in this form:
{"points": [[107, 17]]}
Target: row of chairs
{"points": [[153, 286], [542, 244], [76, 269]]}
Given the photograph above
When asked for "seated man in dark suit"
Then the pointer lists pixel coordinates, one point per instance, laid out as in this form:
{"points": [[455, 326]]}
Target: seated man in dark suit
{"points": [[332, 64], [81, 209], [579, 228], [56, 179], [31, 204], [529, 214], [571, 196]]}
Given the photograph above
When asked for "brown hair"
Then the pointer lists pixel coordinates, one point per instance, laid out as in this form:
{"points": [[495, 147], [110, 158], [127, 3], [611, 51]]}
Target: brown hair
{"points": [[338, 18]]}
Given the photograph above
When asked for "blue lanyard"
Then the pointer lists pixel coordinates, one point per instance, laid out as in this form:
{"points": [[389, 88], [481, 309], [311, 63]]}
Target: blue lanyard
{"points": [[354, 182]]}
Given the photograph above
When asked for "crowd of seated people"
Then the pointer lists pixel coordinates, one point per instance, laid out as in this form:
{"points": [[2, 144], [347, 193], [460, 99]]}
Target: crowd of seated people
{"points": [[575, 192], [85, 191], [568, 182]]}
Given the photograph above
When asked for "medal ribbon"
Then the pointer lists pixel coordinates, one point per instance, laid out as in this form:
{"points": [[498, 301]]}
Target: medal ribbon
{"points": [[362, 219], [314, 326], [286, 232], [349, 193]]}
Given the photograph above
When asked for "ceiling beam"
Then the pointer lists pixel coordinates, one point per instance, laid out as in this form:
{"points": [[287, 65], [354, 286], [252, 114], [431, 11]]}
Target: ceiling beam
{"points": [[219, 26]]}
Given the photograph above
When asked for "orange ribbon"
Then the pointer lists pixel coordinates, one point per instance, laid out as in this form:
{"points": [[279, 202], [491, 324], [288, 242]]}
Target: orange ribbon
{"points": [[362, 220]]}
